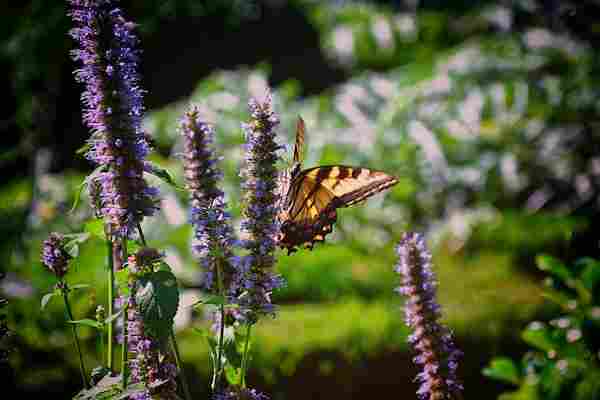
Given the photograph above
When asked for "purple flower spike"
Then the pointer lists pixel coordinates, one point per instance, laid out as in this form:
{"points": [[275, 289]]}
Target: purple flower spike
{"points": [[54, 255], [212, 224], [113, 108], [256, 279], [236, 393], [437, 354]]}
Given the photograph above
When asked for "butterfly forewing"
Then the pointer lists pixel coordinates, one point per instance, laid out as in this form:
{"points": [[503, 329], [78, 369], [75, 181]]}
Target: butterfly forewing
{"points": [[350, 185], [315, 193]]}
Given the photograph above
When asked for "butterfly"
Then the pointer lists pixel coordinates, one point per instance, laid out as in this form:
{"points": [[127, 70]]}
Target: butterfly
{"points": [[309, 198]]}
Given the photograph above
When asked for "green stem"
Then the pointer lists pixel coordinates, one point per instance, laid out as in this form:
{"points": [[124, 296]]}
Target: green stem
{"points": [[102, 345], [219, 365], [121, 250], [182, 378], [245, 356], [111, 300], [124, 351], [142, 237], [65, 291]]}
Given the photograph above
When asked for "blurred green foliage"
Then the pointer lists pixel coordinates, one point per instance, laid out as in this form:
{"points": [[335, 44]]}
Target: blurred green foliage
{"points": [[563, 360]]}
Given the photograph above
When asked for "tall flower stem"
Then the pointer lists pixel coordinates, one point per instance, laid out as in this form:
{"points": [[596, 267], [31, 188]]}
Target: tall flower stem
{"points": [[124, 350], [141, 233], [182, 378], [111, 299], [245, 355], [65, 293], [219, 364]]}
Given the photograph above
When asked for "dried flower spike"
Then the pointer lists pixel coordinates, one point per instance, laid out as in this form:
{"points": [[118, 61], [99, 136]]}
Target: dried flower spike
{"points": [[260, 225], [113, 107], [54, 255], [437, 354]]}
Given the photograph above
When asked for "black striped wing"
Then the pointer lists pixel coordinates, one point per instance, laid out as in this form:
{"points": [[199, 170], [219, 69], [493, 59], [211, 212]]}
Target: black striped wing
{"points": [[315, 194]]}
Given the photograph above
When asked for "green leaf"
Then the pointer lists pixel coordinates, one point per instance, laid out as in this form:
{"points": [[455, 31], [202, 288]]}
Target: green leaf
{"points": [[157, 298], [83, 184], [109, 388], [106, 388], [163, 266], [122, 278], [92, 323], [162, 174], [503, 369], [95, 227], [539, 336], [83, 149], [590, 275], [46, 299], [113, 317], [527, 391], [75, 239], [553, 266], [233, 375], [79, 286], [214, 299]]}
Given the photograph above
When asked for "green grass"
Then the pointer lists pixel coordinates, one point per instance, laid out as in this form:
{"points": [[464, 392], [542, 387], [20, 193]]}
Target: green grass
{"points": [[484, 299]]}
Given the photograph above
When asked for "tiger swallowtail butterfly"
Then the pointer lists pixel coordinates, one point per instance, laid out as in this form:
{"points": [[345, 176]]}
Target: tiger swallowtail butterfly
{"points": [[310, 197]]}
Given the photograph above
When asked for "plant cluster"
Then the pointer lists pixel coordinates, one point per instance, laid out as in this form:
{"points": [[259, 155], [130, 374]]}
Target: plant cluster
{"points": [[136, 326]]}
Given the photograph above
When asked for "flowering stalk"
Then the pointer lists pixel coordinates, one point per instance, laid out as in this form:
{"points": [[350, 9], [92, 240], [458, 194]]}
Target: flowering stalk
{"points": [[56, 258], [437, 354], [112, 110], [256, 278], [212, 224], [212, 227]]}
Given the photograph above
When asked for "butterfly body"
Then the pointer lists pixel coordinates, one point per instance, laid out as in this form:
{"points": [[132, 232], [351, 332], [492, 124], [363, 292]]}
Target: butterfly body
{"points": [[310, 197]]}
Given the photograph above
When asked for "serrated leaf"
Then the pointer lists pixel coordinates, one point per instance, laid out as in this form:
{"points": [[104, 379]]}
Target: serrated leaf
{"points": [[157, 298], [539, 336], [46, 299], [553, 266], [162, 174], [503, 369], [92, 323]]}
